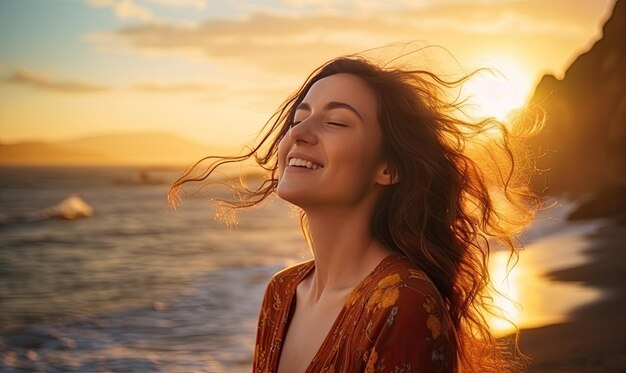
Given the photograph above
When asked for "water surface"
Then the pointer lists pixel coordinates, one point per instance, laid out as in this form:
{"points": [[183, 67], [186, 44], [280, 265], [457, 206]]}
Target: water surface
{"points": [[139, 287]]}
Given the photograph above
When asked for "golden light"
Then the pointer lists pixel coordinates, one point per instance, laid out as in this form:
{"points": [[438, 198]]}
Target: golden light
{"points": [[495, 93], [525, 297], [506, 296]]}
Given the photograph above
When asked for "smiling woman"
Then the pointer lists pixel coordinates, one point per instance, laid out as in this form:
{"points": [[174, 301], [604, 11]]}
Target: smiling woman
{"points": [[399, 218], [335, 126]]}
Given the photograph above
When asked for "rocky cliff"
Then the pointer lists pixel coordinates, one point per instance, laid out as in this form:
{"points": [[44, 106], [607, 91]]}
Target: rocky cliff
{"points": [[584, 138]]}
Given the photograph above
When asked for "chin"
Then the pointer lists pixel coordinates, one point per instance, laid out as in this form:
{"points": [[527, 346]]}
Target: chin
{"points": [[289, 196], [299, 199]]}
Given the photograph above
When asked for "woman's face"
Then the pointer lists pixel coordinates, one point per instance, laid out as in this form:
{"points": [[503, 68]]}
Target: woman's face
{"points": [[332, 154]]}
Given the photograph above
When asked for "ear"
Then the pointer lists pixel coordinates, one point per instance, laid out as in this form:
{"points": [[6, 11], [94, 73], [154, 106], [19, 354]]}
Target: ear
{"points": [[385, 177]]}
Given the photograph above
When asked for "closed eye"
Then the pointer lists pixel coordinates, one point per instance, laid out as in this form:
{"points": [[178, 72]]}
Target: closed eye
{"points": [[337, 124], [296, 122]]}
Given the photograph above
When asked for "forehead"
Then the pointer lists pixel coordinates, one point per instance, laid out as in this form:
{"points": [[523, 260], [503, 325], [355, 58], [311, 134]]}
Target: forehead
{"points": [[346, 88]]}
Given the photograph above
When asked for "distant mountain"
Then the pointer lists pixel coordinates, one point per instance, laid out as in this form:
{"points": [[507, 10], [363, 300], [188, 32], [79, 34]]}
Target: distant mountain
{"points": [[40, 153], [151, 148], [585, 133]]}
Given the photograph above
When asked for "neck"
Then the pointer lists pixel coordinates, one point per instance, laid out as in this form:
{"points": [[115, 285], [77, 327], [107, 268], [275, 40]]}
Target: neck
{"points": [[344, 246]]}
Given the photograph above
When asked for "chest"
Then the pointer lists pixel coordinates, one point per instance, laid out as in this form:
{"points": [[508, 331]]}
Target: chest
{"points": [[308, 331]]}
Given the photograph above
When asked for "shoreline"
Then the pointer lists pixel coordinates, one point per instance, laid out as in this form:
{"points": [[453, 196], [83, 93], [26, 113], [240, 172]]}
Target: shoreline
{"points": [[593, 339]]}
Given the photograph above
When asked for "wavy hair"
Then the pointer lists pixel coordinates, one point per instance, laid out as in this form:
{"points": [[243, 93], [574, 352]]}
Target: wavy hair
{"points": [[462, 190]]}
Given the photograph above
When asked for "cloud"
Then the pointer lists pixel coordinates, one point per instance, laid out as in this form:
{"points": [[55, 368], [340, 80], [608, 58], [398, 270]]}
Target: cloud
{"points": [[43, 82], [125, 9], [284, 42], [324, 4], [39, 81], [271, 42], [100, 3], [172, 88], [197, 4]]}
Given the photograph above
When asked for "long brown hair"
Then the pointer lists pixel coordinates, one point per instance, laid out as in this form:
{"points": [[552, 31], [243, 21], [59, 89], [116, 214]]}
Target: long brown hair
{"points": [[446, 212]]}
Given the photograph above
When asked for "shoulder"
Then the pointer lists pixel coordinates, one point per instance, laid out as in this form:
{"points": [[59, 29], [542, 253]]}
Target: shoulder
{"points": [[291, 274], [294, 270], [282, 285], [403, 281], [407, 323], [403, 294]]}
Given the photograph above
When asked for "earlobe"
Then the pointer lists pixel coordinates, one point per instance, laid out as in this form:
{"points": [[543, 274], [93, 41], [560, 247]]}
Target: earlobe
{"points": [[386, 178]]}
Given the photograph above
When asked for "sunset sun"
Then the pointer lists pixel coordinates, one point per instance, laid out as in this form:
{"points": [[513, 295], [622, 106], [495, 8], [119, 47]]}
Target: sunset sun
{"points": [[498, 91]]}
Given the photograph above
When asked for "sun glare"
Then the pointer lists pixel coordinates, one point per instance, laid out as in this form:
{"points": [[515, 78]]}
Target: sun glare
{"points": [[525, 297], [505, 281], [497, 92]]}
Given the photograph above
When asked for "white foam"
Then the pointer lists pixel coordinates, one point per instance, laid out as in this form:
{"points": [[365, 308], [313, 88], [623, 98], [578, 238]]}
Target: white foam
{"points": [[72, 207]]}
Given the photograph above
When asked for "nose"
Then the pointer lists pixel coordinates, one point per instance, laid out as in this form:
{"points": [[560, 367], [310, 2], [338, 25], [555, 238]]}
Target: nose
{"points": [[304, 131]]}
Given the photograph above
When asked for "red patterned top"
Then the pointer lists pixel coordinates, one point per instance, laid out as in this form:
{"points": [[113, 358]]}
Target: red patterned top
{"points": [[393, 321]]}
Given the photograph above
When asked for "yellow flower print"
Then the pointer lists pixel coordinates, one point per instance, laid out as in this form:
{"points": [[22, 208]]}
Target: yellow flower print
{"points": [[429, 304], [434, 322], [389, 280], [434, 325], [371, 362], [386, 293], [277, 301]]}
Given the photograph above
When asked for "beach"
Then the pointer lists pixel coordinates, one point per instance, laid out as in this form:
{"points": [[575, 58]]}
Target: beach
{"points": [[136, 287], [593, 339]]}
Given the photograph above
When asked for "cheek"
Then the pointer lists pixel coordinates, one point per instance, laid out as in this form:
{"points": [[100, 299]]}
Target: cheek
{"points": [[283, 148], [356, 161], [360, 151], [365, 160]]}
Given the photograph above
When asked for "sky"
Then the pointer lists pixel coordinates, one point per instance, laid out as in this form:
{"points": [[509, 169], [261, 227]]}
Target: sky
{"points": [[215, 71]]}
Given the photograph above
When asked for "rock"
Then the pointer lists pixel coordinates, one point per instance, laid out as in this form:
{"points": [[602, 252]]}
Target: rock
{"points": [[583, 142], [609, 202]]}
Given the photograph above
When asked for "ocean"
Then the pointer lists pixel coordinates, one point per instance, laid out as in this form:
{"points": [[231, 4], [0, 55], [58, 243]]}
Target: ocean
{"points": [[140, 287], [137, 286]]}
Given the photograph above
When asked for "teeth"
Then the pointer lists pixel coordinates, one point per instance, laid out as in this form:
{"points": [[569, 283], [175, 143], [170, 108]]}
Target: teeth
{"points": [[299, 162]]}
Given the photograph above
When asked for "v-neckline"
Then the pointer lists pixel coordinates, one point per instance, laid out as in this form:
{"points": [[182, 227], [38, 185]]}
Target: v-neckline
{"points": [[288, 314]]}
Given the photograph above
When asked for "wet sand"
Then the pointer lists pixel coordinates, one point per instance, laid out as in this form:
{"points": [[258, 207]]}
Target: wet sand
{"points": [[594, 337]]}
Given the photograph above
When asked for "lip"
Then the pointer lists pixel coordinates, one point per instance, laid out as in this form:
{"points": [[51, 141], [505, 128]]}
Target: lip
{"points": [[305, 157]]}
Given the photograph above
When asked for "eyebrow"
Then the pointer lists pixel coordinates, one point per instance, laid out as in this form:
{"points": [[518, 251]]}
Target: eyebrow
{"points": [[331, 105]]}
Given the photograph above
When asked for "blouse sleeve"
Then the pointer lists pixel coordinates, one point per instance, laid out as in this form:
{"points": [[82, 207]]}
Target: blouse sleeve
{"points": [[266, 326], [413, 334]]}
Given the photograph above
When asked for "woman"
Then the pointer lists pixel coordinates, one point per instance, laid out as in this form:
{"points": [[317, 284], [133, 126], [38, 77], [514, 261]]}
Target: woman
{"points": [[398, 218]]}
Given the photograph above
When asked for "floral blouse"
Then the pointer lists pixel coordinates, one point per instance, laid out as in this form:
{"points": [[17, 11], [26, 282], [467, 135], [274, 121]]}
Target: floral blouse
{"points": [[393, 321]]}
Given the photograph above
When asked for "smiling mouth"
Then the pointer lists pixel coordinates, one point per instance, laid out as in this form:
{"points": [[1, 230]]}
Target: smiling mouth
{"points": [[303, 163]]}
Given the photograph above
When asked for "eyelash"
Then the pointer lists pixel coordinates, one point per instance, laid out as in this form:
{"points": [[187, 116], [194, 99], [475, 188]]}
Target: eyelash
{"points": [[337, 124], [295, 123]]}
